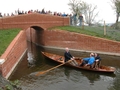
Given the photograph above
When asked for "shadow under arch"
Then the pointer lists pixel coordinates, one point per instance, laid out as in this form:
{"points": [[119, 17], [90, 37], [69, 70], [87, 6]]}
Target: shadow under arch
{"points": [[38, 35], [34, 43]]}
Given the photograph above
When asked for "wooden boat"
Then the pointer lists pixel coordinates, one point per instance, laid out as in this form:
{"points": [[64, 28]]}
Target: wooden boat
{"points": [[60, 59]]}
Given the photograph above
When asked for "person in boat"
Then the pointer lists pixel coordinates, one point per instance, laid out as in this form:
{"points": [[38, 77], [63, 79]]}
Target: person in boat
{"points": [[68, 56], [97, 61], [89, 61]]}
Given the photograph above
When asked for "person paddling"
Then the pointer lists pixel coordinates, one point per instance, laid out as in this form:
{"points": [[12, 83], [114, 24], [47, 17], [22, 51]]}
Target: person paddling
{"points": [[68, 56]]}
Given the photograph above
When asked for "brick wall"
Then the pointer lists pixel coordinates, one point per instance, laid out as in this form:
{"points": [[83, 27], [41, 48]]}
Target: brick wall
{"points": [[33, 19], [62, 39], [13, 53], [59, 38]]}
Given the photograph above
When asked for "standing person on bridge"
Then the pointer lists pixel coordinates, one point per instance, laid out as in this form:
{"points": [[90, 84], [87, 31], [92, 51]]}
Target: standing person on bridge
{"points": [[0, 15], [80, 20]]}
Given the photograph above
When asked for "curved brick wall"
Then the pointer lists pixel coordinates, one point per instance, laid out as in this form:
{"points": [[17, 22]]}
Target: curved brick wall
{"points": [[80, 41], [62, 39]]}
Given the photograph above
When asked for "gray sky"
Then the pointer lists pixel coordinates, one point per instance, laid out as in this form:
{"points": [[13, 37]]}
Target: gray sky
{"points": [[8, 6]]}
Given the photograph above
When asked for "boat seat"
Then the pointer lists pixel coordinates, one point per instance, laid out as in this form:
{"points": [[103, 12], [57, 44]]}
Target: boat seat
{"points": [[92, 66], [97, 65], [73, 62], [60, 58]]}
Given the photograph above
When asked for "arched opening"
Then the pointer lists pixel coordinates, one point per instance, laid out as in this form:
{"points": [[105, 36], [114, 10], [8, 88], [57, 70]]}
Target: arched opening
{"points": [[34, 36]]}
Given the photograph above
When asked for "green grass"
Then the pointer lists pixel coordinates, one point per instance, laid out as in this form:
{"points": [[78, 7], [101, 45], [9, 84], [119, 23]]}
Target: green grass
{"points": [[6, 36], [111, 34]]}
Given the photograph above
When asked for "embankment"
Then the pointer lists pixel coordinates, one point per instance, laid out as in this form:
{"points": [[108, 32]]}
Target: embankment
{"points": [[13, 54]]}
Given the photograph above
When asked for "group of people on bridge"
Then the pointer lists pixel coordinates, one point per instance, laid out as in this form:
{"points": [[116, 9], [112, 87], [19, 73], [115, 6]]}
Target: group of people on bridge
{"points": [[19, 12], [75, 19]]}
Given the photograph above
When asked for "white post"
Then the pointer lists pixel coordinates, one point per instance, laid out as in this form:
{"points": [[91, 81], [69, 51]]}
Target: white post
{"points": [[2, 61]]}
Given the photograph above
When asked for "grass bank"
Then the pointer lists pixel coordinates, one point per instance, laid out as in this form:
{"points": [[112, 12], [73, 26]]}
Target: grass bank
{"points": [[6, 36], [111, 33]]}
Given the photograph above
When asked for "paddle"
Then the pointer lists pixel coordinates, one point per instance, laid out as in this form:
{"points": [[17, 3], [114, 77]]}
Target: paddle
{"points": [[39, 73]]}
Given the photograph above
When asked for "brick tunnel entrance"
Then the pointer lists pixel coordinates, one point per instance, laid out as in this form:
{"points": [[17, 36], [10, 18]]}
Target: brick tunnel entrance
{"points": [[34, 36]]}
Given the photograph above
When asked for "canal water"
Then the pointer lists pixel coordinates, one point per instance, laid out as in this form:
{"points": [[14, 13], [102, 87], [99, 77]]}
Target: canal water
{"points": [[63, 78]]}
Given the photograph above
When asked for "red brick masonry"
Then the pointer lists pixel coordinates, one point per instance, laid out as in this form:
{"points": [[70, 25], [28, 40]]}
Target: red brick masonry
{"points": [[59, 38], [33, 19]]}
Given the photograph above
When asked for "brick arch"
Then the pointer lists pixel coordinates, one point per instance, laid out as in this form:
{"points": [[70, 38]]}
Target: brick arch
{"points": [[33, 19], [35, 34], [37, 28]]}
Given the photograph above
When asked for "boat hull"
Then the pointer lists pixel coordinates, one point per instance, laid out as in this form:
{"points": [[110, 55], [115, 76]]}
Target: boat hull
{"points": [[60, 59]]}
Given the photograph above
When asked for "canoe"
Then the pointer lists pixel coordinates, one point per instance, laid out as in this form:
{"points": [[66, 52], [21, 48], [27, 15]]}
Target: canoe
{"points": [[60, 59]]}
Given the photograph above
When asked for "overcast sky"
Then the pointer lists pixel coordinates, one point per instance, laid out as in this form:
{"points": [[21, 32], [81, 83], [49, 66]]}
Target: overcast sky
{"points": [[8, 6]]}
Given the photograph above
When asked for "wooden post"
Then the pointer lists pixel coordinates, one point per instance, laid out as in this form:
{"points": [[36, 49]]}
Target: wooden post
{"points": [[83, 24], [104, 28]]}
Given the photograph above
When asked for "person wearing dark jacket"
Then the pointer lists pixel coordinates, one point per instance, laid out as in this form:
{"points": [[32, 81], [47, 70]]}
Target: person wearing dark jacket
{"points": [[97, 61], [68, 56], [0, 15], [80, 20]]}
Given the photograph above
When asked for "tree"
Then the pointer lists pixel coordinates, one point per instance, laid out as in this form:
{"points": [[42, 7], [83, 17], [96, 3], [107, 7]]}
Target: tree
{"points": [[75, 6], [116, 7], [78, 7], [89, 13]]}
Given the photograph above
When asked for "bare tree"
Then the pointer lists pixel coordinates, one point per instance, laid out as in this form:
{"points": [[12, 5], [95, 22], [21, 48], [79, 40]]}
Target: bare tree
{"points": [[89, 13], [75, 6], [78, 7], [116, 7]]}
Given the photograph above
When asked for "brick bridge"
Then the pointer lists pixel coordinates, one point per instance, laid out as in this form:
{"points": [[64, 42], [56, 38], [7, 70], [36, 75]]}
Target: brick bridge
{"points": [[33, 19], [34, 26], [17, 48]]}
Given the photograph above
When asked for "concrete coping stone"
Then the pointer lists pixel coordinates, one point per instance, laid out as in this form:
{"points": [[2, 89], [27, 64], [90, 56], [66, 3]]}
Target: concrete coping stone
{"points": [[2, 61]]}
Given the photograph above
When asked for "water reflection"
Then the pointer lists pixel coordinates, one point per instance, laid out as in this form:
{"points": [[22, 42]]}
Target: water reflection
{"points": [[67, 72], [30, 58], [91, 76], [116, 82]]}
